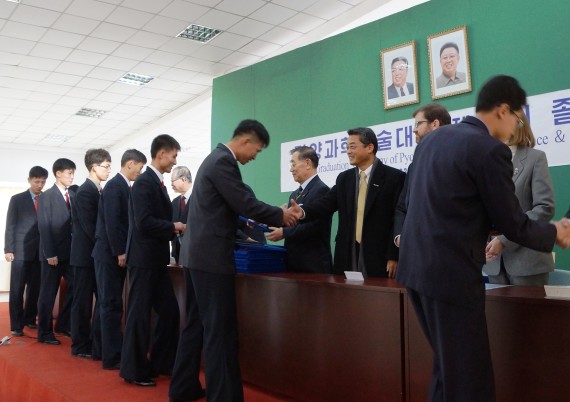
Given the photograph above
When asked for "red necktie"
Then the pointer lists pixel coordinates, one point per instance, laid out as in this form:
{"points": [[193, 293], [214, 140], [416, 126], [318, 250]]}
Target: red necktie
{"points": [[182, 204], [162, 184], [67, 200], [36, 202]]}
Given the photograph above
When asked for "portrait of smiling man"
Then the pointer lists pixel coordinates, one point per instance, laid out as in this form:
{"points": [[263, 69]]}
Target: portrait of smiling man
{"points": [[449, 59], [400, 87]]}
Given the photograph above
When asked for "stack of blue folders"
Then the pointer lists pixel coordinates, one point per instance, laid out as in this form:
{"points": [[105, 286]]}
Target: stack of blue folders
{"points": [[253, 258]]}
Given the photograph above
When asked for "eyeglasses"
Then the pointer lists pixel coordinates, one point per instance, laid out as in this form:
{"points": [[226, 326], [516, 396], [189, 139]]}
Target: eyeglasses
{"points": [[403, 67], [419, 123], [352, 147], [520, 123], [106, 167]]}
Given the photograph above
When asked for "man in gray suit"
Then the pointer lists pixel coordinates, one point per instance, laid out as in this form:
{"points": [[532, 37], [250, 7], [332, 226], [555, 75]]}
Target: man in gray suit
{"points": [[207, 251]]}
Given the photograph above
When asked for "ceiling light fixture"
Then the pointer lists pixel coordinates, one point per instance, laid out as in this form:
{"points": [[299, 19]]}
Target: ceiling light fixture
{"points": [[136, 79], [90, 112], [14, 1], [199, 33]]}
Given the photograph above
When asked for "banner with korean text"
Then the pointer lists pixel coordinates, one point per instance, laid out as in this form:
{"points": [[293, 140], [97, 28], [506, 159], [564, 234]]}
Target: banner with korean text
{"points": [[549, 115]]}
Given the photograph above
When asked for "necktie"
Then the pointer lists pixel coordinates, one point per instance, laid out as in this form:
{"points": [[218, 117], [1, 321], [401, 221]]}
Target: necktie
{"points": [[299, 193], [36, 198], [182, 204], [67, 200], [402, 92], [363, 186]]}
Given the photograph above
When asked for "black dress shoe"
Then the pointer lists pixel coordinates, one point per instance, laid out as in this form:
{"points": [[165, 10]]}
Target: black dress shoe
{"points": [[17, 332], [82, 355], [116, 366], [50, 341], [141, 383], [32, 326]]}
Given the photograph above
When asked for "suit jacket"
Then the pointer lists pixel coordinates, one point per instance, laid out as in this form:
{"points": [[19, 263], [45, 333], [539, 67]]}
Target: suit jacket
{"points": [[460, 187], [533, 188], [402, 205], [218, 199], [22, 237], [377, 247], [54, 224], [84, 217], [150, 223], [394, 93], [177, 216], [309, 242], [112, 221]]}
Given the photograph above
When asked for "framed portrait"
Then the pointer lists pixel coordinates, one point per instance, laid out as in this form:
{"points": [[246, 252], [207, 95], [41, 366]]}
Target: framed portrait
{"points": [[449, 65], [399, 75]]}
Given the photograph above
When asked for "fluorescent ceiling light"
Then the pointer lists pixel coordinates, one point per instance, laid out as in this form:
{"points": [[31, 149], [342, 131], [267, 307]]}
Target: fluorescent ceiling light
{"points": [[136, 79], [14, 1], [90, 112], [198, 33]]}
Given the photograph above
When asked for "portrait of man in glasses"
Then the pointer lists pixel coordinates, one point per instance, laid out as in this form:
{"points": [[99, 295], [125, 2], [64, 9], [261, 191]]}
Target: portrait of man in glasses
{"points": [[400, 87]]}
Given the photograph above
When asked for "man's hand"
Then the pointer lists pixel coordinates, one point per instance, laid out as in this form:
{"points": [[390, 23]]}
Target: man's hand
{"points": [[276, 234], [179, 227], [122, 260], [563, 232], [391, 268], [52, 261], [9, 257], [494, 249]]}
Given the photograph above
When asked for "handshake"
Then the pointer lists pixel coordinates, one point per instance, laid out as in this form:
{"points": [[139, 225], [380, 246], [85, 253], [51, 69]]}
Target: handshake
{"points": [[292, 214]]}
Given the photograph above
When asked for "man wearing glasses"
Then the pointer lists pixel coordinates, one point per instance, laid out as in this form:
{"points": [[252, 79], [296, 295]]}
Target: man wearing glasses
{"points": [[461, 187], [400, 87], [426, 119], [84, 218]]}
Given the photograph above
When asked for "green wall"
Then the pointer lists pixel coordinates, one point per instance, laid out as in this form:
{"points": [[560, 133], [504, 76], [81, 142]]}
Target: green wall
{"points": [[335, 84]]}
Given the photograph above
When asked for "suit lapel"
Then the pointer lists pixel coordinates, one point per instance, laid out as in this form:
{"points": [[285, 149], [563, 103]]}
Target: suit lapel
{"points": [[351, 192], [375, 184], [519, 162]]}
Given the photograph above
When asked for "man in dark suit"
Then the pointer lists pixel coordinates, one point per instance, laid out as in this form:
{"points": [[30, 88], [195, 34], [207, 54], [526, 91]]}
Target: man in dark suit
{"points": [[21, 246], [54, 224], [400, 87], [150, 287], [110, 256], [460, 188], [365, 198], [309, 243], [427, 119], [85, 342], [219, 197], [181, 180]]}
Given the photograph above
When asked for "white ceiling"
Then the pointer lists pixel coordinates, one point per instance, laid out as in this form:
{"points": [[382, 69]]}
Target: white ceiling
{"points": [[58, 56]]}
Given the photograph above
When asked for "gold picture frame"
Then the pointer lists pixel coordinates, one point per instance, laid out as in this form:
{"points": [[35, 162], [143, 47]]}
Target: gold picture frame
{"points": [[399, 75]]}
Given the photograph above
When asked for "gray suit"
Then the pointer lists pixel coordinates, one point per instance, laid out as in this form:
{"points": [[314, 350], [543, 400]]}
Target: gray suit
{"points": [[533, 189]]}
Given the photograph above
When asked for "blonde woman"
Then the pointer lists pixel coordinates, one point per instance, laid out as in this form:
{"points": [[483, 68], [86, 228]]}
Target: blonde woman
{"points": [[509, 263]]}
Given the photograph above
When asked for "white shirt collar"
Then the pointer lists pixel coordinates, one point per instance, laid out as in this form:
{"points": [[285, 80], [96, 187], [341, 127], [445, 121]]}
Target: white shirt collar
{"points": [[306, 182], [234, 155], [160, 176]]}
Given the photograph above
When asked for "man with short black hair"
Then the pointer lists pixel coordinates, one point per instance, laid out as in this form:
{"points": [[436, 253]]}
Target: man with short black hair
{"points": [[110, 255], [365, 198], [148, 255], [54, 224], [308, 244], [21, 247], [449, 59], [460, 188], [86, 343], [219, 197]]}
